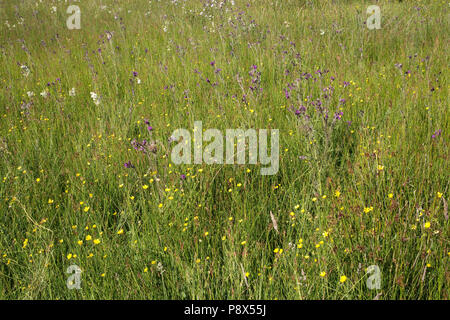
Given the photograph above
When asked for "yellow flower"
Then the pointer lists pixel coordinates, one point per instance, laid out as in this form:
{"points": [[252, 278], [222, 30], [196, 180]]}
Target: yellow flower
{"points": [[314, 199], [96, 241], [160, 205], [69, 256], [439, 195], [380, 167], [390, 195], [86, 209], [368, 209], [276, 250], [80, 242], [88, 237], [427, 225], [343, 279], [323, 274], [102, 275], [145, 187], [337, 193], [120, 231], [243, 243], [146, 269], [50, 201], [25, 242]]}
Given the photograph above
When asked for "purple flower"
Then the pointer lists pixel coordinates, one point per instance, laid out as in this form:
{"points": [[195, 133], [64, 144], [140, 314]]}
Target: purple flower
{"points": [[338, 115], [183, 177], [135, 73], [150, 128], [128, 165], [436, 134]]}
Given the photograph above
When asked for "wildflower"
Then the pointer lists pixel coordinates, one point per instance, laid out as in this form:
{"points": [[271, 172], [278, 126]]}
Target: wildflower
{"points": [[30, 94], [95, 98], [380, 167], [342, 279], [436, 134], [72, 92], [145, 187], [323, 274], [69, 256], [337, 193], [96, 241], [390, 195], [25, 242], [427, 225], [80, 242], [88, 238], [120, 231], [25, 70], [86, 209], [50, 201], [368, 209], [439, 195]]}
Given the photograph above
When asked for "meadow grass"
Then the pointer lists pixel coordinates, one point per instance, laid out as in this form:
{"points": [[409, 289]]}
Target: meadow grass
{"points": [[364, 157]]}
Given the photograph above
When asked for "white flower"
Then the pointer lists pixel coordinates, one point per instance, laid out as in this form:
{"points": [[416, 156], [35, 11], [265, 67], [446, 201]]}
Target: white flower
{"points": [[322, 32], [95, 98], [25, 70], [30, 94], [138, 81], [54, 9], [44, 94], [72, 92]]}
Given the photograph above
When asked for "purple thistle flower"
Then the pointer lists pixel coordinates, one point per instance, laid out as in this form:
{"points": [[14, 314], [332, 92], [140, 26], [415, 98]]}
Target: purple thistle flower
{"points": [[128, 165], [436, 134]]}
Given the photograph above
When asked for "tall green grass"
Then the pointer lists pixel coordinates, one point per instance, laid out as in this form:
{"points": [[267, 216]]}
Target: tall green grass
{"points": [[211, 236]]}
